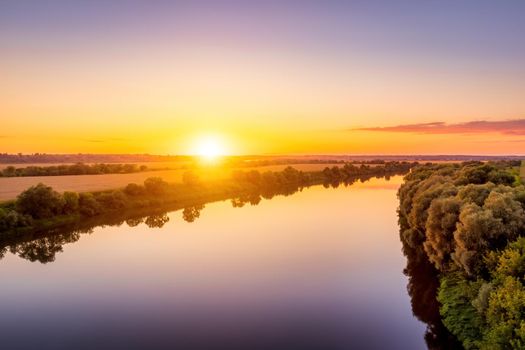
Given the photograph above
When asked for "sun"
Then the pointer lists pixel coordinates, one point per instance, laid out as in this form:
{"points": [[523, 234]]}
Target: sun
{"points": [[209, 148]]}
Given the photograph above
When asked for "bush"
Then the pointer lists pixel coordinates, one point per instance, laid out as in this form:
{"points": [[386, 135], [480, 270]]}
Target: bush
{"points": [[70, 202], [155, 185], [40, 202], [88, 205], [134, 190], [112, 200], [11, 219], [501, 177]]}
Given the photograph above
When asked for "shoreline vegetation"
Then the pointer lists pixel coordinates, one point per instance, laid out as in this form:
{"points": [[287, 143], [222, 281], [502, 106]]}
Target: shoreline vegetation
{"points": [[75, 169], [130, 168], [40, 209], [463, 225], [81, 168]]}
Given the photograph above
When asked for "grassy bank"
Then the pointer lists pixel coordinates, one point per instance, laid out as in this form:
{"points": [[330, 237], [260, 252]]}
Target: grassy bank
{"points": [[11, 187], [40, 208]]}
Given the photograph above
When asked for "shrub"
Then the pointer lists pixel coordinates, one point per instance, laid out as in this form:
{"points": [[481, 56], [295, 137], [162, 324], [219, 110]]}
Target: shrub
{"points": [[11, 219], [70, 202], [88, 205], [112, 200], [134, 190], [40, 202], [501, 177], [155, 185]]}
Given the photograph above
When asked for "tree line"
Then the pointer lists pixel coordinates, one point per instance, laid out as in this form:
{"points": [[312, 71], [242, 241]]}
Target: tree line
{"points": [[40, 206], [20, 158], [73, 169], [468, 221], [149, 203]]}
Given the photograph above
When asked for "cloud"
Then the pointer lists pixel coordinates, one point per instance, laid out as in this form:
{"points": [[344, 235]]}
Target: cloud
{"points": [[500, 141], [507, 127]]}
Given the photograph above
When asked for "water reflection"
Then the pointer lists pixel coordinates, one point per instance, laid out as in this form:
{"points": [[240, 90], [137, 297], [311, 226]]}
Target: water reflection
{"points": [[44, 249], [422, 277], [190, 214], [422, 288], [43, 246], [316, 271], [157, 221]]}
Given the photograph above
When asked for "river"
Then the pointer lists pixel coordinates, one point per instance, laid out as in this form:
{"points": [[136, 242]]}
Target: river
{"points": [[319, 269]]}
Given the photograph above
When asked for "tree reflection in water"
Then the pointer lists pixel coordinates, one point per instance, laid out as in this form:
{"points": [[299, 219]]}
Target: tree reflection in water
{"points": [[43, 246], [134, 222], [157, 221], [43, 249], [190, 214], [422, 288], [422, 284], [252, 198]]}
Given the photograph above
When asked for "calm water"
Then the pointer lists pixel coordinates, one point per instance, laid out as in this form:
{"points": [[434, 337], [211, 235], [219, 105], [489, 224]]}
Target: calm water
{"points": [[320, 269]]}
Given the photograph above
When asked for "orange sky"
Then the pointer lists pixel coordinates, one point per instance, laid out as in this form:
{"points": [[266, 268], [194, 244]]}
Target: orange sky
{"points": [[260, 80]]}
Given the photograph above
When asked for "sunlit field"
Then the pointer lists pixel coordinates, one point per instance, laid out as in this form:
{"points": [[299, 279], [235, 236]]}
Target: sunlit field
{"points": [[11, 187]]}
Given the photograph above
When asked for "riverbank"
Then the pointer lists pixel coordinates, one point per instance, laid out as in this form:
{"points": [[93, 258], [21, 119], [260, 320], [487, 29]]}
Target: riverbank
{"points": [[11, 187], [41, 208], [465, 224]]}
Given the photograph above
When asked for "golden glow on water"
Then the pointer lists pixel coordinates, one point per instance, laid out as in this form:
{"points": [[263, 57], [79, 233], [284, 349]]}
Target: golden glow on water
{"points": [[310, 253]]}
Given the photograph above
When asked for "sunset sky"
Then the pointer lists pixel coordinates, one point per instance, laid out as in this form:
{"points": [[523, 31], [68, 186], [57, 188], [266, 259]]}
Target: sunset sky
{"points": [[263, 77]]}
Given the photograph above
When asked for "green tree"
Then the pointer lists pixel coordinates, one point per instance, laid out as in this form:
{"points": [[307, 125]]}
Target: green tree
{"points": [[476, 228], [155, 185], [134, 190], [40, 201], [506, 316], [88, 205], [70, 202], [443, 215], [459, 314], [112, 200]]}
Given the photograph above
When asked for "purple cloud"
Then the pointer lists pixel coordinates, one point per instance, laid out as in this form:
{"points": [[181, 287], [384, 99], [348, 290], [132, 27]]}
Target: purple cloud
{"points": [[507, 127]]}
